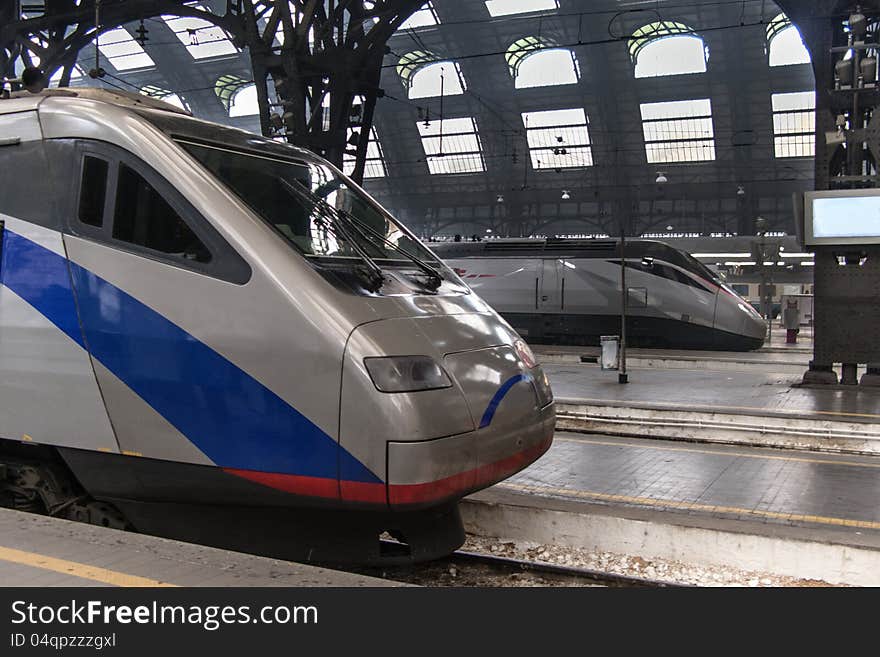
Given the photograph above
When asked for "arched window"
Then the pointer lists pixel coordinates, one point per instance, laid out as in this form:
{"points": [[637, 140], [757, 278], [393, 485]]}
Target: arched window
{"points": [[238, 96], [244, 102], [667, 48], [164, 95], [426, 16], [424, 74], [536, 62], [784, 43]]}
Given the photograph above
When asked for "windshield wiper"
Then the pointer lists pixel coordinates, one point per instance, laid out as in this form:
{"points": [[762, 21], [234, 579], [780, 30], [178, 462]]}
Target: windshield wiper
{"points": [[343, 216], [434, 276], [373, 274]]}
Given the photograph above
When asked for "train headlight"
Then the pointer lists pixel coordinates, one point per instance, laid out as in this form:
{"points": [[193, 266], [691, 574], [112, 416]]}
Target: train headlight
{"points": [[525, 354], [406, 373]]}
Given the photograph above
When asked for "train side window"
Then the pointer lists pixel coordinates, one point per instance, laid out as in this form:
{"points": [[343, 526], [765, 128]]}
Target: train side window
{"points": [[144, 218], [93, 191]]}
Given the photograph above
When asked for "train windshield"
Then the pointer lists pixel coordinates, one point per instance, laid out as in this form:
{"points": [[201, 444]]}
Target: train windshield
{"points": [[701, 269], [314, 208]]}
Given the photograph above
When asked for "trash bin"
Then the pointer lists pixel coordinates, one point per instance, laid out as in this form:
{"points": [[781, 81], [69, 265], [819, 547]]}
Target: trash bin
{"points": [[609, 357]]}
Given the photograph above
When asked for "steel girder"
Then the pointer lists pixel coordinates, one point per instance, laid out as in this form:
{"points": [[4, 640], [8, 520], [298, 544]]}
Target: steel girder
{"points": [[321, 58], [846, 279]]}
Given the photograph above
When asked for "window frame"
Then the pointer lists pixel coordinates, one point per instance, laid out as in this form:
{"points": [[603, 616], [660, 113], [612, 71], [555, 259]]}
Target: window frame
{"points": [[789, 138], [225, 264], [657, 145], [469, 153], [535, 151]]}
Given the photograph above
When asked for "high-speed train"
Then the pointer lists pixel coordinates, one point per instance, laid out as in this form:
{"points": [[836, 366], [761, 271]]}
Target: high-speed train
{"points": [[210, 335], [568, 291]]}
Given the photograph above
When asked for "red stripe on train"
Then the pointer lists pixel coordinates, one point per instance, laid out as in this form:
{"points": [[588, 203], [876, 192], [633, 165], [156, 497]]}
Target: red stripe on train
{"points": [[398, 494]]}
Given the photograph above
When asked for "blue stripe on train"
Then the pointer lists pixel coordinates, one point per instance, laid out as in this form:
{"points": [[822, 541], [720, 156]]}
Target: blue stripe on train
{"points": [[40, 277], [499, 395], [229, 415]]}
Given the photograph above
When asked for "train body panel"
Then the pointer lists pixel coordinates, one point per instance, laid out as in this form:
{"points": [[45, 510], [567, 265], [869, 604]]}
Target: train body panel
{"points": [[475, 352], [47, 384], [157, 312], [570, 292]]}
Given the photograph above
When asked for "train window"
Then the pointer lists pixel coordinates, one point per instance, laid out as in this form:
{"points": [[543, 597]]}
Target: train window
{"points": [[314, 208], [143, 217], [93, 191]]}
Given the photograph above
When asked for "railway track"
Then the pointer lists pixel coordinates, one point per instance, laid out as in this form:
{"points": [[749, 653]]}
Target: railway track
{"points": [[464, 568]]}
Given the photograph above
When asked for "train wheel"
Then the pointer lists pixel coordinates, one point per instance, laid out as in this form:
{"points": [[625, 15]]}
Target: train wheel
{"points": [[48, 489]]}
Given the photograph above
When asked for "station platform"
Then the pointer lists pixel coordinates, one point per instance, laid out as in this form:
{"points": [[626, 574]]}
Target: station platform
{"points": [[42, 551], [793, 513], [684, 462], [754, 398]]}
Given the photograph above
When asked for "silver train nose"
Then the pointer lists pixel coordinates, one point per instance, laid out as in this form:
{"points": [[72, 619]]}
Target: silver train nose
{"points": [[492, 418]]}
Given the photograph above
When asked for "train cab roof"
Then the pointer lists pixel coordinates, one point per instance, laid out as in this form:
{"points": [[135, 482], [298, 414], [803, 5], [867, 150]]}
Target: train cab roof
{"points": [[571, 248], [23, 101], [550, 248], [84, 117]]}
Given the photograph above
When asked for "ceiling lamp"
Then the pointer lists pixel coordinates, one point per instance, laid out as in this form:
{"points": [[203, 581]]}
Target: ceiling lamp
{"points": [[500, 198], [661, 178], [565, 195]]}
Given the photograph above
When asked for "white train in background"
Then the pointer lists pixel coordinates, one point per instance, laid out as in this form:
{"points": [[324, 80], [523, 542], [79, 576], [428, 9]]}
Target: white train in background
{"points": [[568, 291]]}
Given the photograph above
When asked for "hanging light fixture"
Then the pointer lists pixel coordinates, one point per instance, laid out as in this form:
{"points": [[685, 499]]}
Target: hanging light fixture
{"points": [[499, 198], [661, 178], [565, 195], [740, 190]]}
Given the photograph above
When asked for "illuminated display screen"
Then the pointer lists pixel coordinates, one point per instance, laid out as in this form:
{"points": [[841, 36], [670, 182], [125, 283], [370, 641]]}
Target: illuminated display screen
{"points": [[850, 217]]}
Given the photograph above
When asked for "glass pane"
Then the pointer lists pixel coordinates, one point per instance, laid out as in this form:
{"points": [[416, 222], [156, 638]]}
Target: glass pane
{"points": [[558, 137], [677, 109], [796, 146], [546, 68], [93, 191], [509, 7], [671, 56], [681, 129], [693, 151], [308, 204], [470, 163], [245, 102], [120, 48], [578, 156], [787, 48], [450, 126], [451, 144], [800, 100], [144, 218], [201, 38], [423, 17], [427, 80], [793, 122], [552, 118]]}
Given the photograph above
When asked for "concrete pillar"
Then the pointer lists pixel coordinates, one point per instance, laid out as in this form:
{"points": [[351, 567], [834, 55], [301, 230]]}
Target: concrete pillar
{"points": [[820, 374], [872, 376], [848, 374]]}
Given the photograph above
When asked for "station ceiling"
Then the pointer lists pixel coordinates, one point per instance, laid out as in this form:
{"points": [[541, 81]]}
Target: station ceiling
{"points": [[557, 117]]}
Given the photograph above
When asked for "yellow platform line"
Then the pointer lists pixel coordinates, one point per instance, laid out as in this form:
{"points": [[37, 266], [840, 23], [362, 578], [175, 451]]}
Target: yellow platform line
{"points": [[85, 571], [694, 450], [690, 506], [721, 409]]}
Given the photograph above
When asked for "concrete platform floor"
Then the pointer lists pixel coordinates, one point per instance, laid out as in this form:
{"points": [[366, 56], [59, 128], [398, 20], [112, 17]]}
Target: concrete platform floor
{"points": [[762, 408], [41, 551], [836, 494], [794, 513], [751, 393]]}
